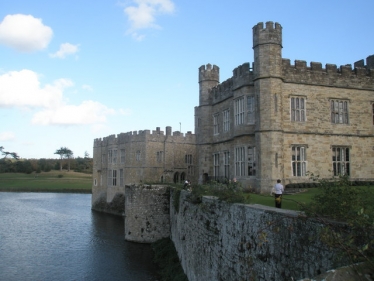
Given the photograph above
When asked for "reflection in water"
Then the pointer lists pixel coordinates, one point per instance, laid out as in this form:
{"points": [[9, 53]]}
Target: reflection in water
{"points": [[47, 236]]}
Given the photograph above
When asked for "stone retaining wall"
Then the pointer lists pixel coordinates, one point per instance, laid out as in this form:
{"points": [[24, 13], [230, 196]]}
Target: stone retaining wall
{"points": [[220, 241]]}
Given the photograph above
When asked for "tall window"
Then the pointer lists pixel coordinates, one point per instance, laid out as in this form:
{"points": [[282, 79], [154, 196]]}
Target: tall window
{"points": [[112, 156], [239, 111], [239, 161], [298, 109], [340, 161], [339, 111], [160, 156], [112, 177], [216, 123], [298, 161], [188, 161], [137, 155], [373, 112], [122, 156], [251, 153], [226, 159], [251, 109], [121, 179], [226, 120], [216, 164]]}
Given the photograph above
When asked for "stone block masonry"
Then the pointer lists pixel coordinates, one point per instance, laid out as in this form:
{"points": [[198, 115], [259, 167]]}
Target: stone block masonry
{"points": [[147, 214], [220, 241]]}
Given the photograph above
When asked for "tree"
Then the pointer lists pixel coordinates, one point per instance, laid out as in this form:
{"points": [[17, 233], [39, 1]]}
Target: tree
{"points": [[64, 152], [68, 153], [340, 201], [61, 152]]}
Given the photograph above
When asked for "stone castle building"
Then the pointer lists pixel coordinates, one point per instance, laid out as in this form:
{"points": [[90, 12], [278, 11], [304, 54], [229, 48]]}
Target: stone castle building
{"points": [[271, 120]]}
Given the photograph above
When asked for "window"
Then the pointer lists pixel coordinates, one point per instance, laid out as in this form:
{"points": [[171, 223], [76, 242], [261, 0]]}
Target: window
{"points": [[298, 109], [112, 177], [339, 111], [121, 180], [122, 156], [216, 164], [160, 156], [239, 161], [226, 120], [188, 159], [373, 112], [298, 161], [251, 109], [216, 124], [340, 161], [137, 155], [239, 111], [251, 155], [112, 156], [226, 160]]}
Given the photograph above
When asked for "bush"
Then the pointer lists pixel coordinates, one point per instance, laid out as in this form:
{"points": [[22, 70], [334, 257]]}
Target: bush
{"points": [[341, 201]]}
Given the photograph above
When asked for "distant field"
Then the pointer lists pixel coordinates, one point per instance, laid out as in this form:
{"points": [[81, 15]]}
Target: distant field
{"points": [[53, 181]]}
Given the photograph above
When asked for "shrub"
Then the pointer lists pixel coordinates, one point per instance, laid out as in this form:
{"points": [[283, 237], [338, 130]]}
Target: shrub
{"points": [[341, 201]]}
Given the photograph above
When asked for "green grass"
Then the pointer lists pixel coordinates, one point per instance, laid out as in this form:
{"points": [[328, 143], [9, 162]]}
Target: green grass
{"points": [[289, 202], [53, 181], [292, 202]]}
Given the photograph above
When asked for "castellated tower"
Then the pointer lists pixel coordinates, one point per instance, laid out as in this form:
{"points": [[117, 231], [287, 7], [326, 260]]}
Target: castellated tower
{"points": [[267, 73], [208, 79]]}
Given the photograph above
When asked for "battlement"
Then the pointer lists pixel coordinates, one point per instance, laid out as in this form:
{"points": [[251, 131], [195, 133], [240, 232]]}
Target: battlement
{"points": [[242, 76], [271, 34], [208, 72], [361, 76], [142, 135]]}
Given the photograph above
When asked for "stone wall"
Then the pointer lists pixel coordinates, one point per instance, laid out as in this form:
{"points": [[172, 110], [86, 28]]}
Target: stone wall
{"points": [[147, 213], [220, 241]]}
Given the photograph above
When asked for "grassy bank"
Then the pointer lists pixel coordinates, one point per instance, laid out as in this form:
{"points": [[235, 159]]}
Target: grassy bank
{"points": [[53, 181]]}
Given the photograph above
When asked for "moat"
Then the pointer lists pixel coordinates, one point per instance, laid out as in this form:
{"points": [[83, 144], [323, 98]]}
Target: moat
{"points": [[52, 236]]}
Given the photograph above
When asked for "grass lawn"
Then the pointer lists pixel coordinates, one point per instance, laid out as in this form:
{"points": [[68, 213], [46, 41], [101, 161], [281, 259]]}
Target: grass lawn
{"points": [[292, 202], [53, 181], [289, 202]]}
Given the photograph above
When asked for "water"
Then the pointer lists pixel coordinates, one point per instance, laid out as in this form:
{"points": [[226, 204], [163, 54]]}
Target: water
{"points": [[54, 236]]}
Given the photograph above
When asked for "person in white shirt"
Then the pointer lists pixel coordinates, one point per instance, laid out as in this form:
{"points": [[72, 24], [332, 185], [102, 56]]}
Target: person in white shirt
{"points": [[278, 190]]}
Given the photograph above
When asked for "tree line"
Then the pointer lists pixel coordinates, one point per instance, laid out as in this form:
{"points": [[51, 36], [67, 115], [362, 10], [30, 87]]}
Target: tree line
{"points": [[11, 162]]}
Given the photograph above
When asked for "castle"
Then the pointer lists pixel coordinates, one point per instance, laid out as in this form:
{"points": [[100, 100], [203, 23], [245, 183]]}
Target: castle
{"points": [[271, 120]]}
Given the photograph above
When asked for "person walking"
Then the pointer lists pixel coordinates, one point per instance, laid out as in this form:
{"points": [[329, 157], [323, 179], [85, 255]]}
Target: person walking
{"points": [[278, 190]]}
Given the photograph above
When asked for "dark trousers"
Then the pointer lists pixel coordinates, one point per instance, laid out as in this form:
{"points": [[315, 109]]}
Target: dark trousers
{"points": [[278, 200]]}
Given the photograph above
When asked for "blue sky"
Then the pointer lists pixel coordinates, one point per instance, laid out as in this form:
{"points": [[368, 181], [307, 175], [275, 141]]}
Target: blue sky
{"points": [[72, 71]]}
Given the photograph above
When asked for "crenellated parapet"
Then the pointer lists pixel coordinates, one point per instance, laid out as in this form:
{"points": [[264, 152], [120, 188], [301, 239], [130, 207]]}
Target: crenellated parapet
{"points": [[143, 136], [242, 76], [270, 34], [209, 73], [361, 76]]}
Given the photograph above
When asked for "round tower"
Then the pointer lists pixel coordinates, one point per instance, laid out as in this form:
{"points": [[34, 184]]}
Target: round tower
{"points": [[267, 46], [208, 78], [267, 72]]}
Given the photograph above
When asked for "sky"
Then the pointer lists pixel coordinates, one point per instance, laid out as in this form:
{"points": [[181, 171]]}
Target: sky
{"points": [[75, 70]]}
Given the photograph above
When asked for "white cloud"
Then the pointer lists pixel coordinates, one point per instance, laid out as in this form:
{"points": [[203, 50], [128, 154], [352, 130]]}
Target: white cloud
{"points": [[143, 14], [7, 136], [87, 87], [24, 33], [23, 89], [65, 50], [89, 112]]}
